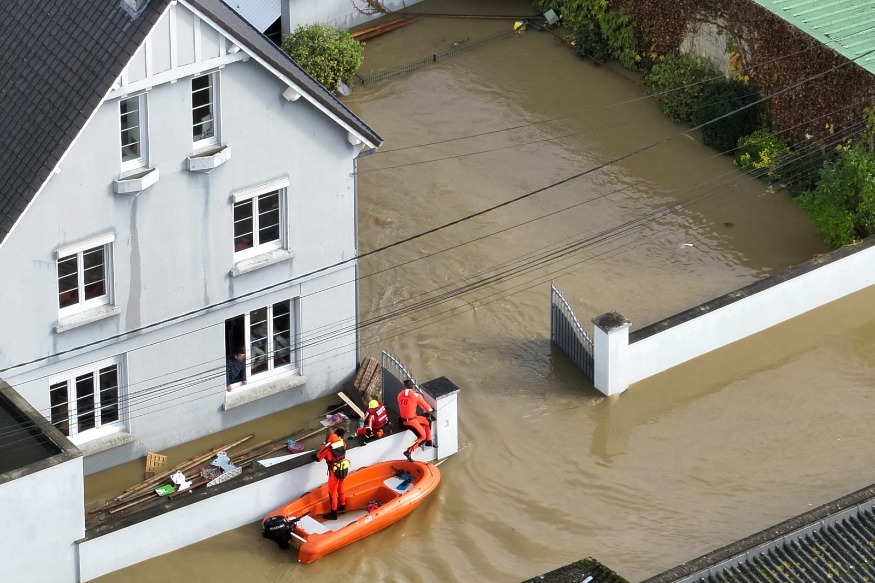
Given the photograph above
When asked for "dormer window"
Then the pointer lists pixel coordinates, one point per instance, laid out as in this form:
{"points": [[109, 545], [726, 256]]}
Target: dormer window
{"points": [[204, 110]]}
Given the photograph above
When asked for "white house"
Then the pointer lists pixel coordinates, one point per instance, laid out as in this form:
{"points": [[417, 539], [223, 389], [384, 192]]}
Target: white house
{"points": [[172, 187]]}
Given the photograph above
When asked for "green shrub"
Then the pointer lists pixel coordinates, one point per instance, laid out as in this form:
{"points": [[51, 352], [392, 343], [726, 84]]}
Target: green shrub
{"points": [[801, 171], [720, 99], [615, 27], [328, 54], [589, 42], [842, 206], [679, 81], [761, 153]]}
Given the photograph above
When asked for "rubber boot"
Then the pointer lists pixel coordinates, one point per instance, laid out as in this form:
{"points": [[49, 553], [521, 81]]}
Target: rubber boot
{"points": [[341, 507], [331, 515], [408, 456]]}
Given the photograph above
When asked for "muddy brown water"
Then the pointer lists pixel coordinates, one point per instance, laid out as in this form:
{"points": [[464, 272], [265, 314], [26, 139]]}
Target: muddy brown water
{"points": [[550, 471]]}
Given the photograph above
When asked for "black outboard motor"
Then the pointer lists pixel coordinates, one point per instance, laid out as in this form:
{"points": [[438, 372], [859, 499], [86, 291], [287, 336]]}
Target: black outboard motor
{"points": [[278, 529]]}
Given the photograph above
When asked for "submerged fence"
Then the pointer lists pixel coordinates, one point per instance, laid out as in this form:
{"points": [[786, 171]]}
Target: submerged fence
{"points": [[457, 49], [567, 333]]}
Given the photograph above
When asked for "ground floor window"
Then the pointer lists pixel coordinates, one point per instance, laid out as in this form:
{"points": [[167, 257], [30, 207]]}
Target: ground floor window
{"points": [[267, 336], [87, 399]]}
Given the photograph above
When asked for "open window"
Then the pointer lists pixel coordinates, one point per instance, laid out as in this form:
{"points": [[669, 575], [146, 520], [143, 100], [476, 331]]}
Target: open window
{"points": [[268, 337], [204, 111]]}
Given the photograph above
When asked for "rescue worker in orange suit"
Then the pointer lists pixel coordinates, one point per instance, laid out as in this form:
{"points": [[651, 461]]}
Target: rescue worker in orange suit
{"points": [[334, 454], [376, 419], [409, 400]]}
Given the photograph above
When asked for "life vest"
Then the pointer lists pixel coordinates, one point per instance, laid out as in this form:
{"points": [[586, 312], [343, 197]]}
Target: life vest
{"points": [[377, 417], [336, 451], [337, 462]]}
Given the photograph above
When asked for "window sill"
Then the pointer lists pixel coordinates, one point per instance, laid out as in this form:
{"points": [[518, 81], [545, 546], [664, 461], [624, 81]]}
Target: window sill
{"points": [[86, 317], [262, 260], [137, 182], [105, 443], [209, 160], [253, 391]]}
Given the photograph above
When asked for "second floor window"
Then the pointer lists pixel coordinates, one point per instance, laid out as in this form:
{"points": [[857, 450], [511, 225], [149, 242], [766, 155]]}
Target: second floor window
{"points": [[132, 117], [83, 275], [87, 399], [258, 222], [204, 111]]}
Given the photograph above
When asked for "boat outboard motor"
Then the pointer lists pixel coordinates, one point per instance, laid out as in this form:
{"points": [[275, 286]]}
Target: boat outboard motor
{"points": [[279, 530]]}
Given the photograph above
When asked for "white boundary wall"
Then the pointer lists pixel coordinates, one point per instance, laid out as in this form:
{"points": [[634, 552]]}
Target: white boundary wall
{"points": [[249, 503], [619, 363], [336, 13]]}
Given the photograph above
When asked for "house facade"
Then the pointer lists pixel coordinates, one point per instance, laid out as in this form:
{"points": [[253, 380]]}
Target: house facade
{"points": [[194, 197]]}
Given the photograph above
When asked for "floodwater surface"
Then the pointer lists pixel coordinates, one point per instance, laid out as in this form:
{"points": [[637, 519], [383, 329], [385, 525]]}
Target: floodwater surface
{"points": [[550, 471]]}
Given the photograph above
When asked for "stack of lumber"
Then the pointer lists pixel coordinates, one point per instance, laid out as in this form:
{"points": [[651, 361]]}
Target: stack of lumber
{"points": [[369, 380], [374, 31], [198, 471]]}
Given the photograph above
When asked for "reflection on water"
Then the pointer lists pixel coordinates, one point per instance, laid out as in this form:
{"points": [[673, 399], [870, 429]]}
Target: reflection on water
{"points": [[680, 464]]}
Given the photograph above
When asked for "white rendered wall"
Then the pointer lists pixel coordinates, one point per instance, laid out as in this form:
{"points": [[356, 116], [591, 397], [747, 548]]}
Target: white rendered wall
{"points": [[630, 363], [219, 513], [173, 255], [41, 518]]}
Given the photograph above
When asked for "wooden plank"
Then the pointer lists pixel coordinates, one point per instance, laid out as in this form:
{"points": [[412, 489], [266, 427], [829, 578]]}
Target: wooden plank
{"points": [[375, 31], [349, 401]]}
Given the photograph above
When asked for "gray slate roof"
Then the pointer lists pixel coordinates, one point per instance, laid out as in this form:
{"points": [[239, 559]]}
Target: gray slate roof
{"points": [[59, 58], [835, 542]]}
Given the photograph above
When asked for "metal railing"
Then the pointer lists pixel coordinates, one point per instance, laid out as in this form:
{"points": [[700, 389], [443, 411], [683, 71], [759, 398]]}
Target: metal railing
{"points": [[567, 333], [456, 49], [392, 365]]}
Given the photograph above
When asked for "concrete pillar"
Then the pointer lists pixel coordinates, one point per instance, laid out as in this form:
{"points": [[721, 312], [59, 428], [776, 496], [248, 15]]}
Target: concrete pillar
{"points": [[610, 344], [445, 429]]}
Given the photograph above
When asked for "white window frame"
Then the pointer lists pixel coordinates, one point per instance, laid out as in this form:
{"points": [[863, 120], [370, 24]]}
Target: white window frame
{"points": [[100, 428], [213, 140], [142, 119], [252, 196], [78, 250], [269, 348]]}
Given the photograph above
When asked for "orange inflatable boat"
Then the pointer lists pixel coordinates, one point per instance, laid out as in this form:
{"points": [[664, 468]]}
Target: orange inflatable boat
{"points": [[376, 497]]}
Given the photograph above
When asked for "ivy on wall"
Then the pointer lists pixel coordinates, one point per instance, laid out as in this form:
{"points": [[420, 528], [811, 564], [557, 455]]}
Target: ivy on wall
{"points": [[778, 57]]}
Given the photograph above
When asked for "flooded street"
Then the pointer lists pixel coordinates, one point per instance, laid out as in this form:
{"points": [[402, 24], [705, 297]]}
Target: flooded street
{"points": [[550, 471]]}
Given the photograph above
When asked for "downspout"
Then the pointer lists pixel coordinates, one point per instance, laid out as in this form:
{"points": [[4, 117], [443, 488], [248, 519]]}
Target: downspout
{"points": [[355, 196]]}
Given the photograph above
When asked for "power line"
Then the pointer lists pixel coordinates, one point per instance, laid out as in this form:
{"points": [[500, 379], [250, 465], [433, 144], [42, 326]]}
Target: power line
{"points": [[133, 399], [440, 227]]}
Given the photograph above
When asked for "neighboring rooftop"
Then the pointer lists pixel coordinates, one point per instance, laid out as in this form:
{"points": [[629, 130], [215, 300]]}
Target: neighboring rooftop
{"points": [[845, 26], [835, 542], [27, 440]]}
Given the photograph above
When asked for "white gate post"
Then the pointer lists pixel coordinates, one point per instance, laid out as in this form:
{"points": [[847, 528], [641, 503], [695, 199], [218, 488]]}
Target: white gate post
{"points": [[610, 345]]}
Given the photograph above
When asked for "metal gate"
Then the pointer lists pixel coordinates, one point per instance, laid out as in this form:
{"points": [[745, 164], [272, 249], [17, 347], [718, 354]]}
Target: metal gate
{"points": [[394, 374], [567, 333]]}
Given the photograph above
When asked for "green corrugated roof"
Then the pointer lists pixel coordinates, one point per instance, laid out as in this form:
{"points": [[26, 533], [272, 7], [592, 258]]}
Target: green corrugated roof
{"points": [[845, 26]]}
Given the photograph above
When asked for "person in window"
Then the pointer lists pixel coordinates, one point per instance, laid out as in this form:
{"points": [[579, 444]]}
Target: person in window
{"points": [[235, 368]]}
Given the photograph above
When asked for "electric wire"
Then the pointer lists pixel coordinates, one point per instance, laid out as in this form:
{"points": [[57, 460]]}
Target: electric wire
{"points": [[432, 231]]}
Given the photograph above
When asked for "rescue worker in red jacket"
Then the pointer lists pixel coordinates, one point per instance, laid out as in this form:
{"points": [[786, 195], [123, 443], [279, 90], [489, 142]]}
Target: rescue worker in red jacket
{"points": [[334, 454], [409, 400], [376, 419]]}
